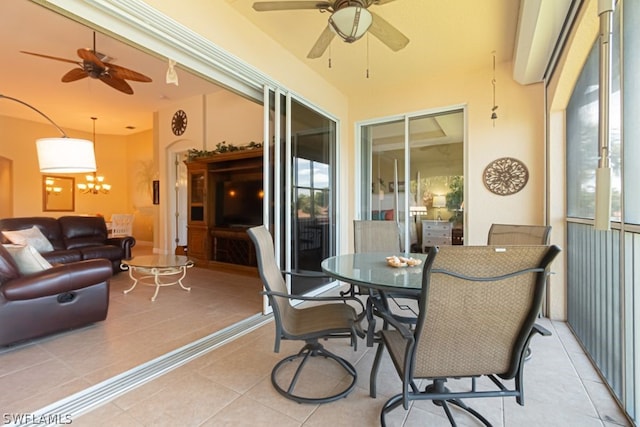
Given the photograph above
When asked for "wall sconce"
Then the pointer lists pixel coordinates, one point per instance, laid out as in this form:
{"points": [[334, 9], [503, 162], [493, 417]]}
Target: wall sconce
{"points": [[62, 154]]}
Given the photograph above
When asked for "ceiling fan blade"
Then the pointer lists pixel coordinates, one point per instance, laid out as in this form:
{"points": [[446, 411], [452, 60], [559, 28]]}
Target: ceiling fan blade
{"points": [[71, 61], [266, 6], [381, 2], [387, 33], [74, 74], [116, 83], [322, 43], [88, 55], [122, 73]]}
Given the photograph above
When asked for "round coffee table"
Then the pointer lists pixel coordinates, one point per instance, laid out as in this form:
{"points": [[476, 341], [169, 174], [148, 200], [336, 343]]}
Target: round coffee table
{"points": [[154, 267]]}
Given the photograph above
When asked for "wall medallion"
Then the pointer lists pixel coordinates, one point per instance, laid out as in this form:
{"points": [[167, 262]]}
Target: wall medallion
{"points": [[505, 176]]}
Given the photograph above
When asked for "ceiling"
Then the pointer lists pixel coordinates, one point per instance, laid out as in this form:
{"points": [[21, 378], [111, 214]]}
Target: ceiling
{"points": [[71, 105], [445, 36]]}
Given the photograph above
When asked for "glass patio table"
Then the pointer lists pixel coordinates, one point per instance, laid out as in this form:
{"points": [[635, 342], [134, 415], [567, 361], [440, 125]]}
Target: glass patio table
{"points": [[371, 271]]}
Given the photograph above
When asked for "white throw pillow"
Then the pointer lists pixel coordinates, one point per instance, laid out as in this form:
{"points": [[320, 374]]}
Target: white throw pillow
{"points": [[28, 259], [32, 237]]}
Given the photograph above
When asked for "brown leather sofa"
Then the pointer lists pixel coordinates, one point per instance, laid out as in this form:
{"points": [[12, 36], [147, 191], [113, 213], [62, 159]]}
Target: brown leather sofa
{"points": [[75, 238], [62, 297]]}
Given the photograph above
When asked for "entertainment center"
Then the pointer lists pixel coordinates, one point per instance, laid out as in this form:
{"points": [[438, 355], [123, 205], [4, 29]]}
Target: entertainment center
{"points": [[225, 197]]}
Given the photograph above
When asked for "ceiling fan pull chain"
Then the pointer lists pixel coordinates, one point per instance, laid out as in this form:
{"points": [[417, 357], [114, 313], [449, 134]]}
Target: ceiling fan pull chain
{"points": [[367, 55]]}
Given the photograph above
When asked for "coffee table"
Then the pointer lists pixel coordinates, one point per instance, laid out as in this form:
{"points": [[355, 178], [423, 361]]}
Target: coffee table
{"points": [[154, 267]]}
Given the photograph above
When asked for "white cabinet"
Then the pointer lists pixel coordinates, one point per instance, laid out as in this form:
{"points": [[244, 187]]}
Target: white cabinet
{"points": [[435, 233]]}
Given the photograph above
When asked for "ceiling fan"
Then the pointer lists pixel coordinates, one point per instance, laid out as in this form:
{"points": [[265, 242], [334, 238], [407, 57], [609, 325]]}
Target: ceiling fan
{"points": [[350, 19], [96, 66]]}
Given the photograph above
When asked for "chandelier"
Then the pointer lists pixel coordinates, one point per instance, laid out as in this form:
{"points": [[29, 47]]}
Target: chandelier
{"points": [[94, 183]]}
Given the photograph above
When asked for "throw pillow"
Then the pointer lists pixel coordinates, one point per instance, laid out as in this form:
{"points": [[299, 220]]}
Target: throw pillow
{"points": [[8, 268], [27, 258], [32, 237]]}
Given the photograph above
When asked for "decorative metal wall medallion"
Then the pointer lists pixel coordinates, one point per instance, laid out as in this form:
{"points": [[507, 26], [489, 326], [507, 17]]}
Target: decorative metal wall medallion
{"points": [[505, 176]]}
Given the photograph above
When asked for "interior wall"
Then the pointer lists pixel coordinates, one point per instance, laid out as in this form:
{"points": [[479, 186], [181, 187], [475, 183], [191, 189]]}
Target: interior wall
{"points": [[232, 119], [212, 119], [142, 171], [18, 144]]}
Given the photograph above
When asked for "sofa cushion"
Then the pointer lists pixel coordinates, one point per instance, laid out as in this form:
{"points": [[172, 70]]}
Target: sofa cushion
{"points": [[63, 256], [83, 231], [30, 236], [109, 252], [27, 258], [8, 268]]}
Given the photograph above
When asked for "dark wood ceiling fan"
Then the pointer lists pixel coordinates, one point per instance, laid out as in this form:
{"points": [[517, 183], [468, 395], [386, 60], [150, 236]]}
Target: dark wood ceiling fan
{"points": [[380, 28], [96, 66]]}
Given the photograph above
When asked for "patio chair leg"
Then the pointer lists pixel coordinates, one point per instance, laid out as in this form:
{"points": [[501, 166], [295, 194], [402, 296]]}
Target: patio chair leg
{"points": [[438, 387], [312, 349]]}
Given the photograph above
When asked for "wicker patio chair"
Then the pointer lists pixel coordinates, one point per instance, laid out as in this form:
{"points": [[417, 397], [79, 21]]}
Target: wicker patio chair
{"points": [[515, 234], [478, 308], [383, 237], [335, 319]]}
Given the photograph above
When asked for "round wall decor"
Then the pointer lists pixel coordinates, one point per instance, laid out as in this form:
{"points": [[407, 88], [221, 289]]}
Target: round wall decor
{"points": [[505, 176]]}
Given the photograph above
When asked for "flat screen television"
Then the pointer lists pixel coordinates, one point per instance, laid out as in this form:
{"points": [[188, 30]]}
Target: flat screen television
{"points": [[239, 203]]}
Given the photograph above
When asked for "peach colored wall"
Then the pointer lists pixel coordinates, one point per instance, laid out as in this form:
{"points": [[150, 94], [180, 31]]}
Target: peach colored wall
{"points": [[142, 170], [18, 144], [233, 119]]}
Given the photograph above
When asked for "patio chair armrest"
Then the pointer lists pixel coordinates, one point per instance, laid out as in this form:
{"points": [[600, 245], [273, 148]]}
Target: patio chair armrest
{"points": [[310, 298], [541, 330], [309, 274], [388, 318]]}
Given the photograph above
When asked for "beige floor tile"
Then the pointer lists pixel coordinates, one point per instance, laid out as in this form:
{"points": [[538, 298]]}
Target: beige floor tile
{"points": [[606, 406], [237, 413], [189, 400]]}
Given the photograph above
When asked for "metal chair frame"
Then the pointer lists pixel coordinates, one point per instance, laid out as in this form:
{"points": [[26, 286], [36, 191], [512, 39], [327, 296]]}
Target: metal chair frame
{"points": [[305, 324], [410, 360]]}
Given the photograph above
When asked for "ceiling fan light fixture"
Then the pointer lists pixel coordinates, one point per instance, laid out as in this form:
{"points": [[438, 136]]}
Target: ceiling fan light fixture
{"points": [[351, 22]]}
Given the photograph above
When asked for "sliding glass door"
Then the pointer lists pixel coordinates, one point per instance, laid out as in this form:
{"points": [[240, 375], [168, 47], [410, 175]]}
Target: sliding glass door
{"points": [[412, 168], [303, 198]]}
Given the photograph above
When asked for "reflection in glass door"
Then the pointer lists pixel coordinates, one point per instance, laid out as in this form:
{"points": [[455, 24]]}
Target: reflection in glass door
{"points": [[304, 179], [414, 175]]}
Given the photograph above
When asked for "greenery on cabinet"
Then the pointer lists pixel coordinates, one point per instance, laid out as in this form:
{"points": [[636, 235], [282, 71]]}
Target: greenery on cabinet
{"points": [[221, 147]]}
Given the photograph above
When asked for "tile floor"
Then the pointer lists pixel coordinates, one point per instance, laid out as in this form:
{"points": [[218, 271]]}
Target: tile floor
{"points": [[230, 386]]}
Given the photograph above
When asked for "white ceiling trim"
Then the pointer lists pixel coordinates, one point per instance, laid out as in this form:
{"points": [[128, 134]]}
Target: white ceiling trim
{"points": [[540, 25], [135, 21]]}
